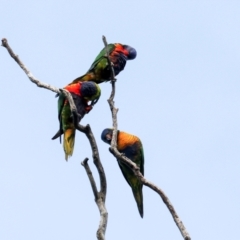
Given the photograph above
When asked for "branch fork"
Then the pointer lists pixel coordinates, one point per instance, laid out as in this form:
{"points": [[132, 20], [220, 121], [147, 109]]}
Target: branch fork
{"points": [[132, 165], [100, 196]]}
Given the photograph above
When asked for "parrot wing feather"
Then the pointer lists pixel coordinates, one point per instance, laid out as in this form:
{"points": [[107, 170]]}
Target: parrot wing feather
{"points": [[102, 54]]}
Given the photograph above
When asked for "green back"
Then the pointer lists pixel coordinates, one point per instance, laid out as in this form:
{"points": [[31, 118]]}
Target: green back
{"points": [[102, 54]]}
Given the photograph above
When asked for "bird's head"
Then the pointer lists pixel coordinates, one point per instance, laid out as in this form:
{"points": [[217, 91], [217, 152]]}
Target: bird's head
{"points": [[131, 52], [90, 91], [107, 135]]}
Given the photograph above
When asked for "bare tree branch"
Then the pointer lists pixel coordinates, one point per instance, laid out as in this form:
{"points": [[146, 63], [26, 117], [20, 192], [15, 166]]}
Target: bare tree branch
{"points": [[100, 201], [133, 166], [36, 81], [91, 178], [96, 159], [110, 100], [24, 68], [155, 188], [99, 196]]}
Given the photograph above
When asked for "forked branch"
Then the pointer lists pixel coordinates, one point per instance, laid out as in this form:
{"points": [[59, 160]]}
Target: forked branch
{"points": [[101, 195], [133, 166]]}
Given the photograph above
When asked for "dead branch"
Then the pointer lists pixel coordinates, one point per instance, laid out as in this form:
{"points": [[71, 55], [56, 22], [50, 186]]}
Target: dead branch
{"points": [[110, 100], [90, 176], [99, 196], [100, 201], [133, 166], [24, 68], [36, 81], [96, 159]]}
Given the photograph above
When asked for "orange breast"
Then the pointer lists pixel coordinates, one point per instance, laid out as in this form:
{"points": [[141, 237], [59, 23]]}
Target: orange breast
{"points": [[125, 139]]}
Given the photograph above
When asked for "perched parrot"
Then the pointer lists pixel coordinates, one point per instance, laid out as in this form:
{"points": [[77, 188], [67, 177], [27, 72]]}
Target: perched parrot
{"points": [[132, 148], [82, 93], [100, 71]]}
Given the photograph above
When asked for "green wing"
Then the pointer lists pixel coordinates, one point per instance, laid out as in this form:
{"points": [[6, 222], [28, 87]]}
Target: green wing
{"points": [[137, 156], [61, 101], [102, 54], [141, 157], [97, 67]]}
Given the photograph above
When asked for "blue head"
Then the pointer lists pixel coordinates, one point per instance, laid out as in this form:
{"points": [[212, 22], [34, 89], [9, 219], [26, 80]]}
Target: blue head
{"points": [[107, 135], [132, 53], [88, 89]]}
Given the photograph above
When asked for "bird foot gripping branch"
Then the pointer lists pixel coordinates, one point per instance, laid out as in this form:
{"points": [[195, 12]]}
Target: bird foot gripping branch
{"points": [[69, 118]]}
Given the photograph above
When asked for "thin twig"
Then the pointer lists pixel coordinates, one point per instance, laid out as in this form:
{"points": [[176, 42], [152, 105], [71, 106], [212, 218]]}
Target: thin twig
{"points": [[135, 168], [99, 201], [109, 62], [36, 81], [24, 68], [91, 178], [96, 159], [99, 196], [111, 99]]}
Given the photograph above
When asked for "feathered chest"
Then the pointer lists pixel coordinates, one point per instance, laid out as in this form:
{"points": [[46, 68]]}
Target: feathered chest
{"points": [[119, 61]]}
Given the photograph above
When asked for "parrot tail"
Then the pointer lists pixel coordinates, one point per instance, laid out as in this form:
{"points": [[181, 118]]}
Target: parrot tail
{"points": [[68, 142], [84, 78], [58, 134], [137, 192]]}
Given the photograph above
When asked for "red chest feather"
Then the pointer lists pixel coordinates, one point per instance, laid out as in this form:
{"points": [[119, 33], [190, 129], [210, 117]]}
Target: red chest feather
{"points": [[74, 88]]}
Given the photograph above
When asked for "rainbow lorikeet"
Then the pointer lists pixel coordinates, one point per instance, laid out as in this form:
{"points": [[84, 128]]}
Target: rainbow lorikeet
{"points": [[82, 93], [100, 70], [132, 148]]}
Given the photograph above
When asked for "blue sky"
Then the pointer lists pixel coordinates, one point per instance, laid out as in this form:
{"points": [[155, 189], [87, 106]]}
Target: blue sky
{"points": [[180, 96]]}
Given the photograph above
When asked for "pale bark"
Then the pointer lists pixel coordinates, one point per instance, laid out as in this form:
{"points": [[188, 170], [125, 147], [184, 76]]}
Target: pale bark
{"points": [[101, 195], [133, 166]]}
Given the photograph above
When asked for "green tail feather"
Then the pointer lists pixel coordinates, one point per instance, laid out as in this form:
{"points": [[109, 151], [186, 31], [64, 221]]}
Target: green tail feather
{"points": [[137, 192]]}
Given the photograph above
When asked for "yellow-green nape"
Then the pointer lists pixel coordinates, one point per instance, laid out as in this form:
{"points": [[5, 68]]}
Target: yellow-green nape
{"points": [[90, 90]]}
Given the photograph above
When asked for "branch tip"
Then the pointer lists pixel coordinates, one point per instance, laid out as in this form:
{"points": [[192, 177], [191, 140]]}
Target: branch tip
{"points": [[4, 42], [84, 162]]}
